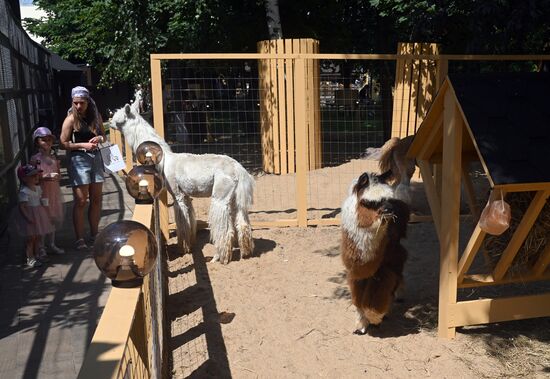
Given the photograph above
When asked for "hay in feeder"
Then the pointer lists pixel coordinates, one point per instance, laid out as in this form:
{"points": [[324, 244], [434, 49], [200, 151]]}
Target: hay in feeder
{"points": [[536, 240]]}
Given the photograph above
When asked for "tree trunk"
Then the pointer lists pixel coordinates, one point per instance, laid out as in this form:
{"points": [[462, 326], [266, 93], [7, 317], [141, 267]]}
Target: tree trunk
{"points": [[273, 19]]}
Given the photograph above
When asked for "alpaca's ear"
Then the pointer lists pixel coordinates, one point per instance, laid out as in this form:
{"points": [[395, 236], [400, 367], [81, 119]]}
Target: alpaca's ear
{"points": [[128, 109], [362, 182]]}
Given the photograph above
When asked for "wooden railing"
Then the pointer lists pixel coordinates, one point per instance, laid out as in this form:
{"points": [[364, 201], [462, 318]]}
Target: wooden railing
{"points": [[123, 345], [119, 347]]}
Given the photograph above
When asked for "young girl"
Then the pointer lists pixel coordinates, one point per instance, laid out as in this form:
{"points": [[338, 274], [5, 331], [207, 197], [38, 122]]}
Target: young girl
{"points": [[32, 219], [49, 165]]}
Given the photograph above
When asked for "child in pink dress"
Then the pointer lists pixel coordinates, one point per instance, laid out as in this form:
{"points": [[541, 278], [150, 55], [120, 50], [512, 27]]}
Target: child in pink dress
{"points": [[32, 219], [49, 165]]}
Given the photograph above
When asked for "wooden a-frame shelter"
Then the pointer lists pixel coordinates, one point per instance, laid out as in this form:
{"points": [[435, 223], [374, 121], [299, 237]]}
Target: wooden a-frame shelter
{"points": [[503, 121]]}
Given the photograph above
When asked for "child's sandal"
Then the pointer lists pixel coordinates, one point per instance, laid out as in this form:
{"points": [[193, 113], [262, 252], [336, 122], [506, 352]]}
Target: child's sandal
{"points": [[81, 245]]}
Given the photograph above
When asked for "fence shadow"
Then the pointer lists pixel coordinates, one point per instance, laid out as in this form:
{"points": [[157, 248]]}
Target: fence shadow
{"points": [[199, 296]]}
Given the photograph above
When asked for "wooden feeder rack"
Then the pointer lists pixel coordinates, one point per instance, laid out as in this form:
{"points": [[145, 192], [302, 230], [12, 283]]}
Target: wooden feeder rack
{"points": [[503, 121]]}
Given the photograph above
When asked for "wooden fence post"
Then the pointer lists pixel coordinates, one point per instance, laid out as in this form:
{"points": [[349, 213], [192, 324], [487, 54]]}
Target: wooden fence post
{"points": [[278, 105], [158, 121], [416, 84], [301, 140]]}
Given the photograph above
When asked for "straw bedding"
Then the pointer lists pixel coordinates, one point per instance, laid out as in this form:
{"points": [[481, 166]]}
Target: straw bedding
{"points": [[534, 243]]}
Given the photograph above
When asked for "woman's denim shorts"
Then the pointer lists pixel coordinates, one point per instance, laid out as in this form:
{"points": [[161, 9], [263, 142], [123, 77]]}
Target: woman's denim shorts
{"points": [[85, 168]]}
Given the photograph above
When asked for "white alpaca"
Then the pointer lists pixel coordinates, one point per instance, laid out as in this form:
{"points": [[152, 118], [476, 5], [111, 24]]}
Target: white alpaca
{"points": [[206, 175]]}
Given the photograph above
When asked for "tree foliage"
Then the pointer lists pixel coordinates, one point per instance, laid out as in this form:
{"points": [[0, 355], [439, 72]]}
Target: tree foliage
{"points": [[117, 36]]}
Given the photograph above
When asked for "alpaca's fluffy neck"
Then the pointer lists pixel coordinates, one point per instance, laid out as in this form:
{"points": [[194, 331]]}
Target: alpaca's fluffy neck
{"points": [[139, 131]]}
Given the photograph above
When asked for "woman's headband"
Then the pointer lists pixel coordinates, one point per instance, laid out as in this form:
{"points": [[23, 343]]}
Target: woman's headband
{"points": [[80, 92]]}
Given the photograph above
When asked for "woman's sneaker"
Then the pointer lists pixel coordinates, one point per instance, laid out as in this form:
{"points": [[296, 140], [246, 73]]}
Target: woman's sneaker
{"points": [[31, 262], [56, 250]]}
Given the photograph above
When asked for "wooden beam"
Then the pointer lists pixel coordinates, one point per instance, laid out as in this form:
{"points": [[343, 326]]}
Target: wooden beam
{"points": [[524, 187], [470, 252], [301, 143], [435, 111], [274, 108], [156, 94], [471, 198], [438, 175], [384, 57], [431, 194], [289, 70], [106, 350], [450, 196], [398, 92], [282, 109], [275, 223], [542, 263], [483, 280], [433, 139], [485, 311], [520, 234]]}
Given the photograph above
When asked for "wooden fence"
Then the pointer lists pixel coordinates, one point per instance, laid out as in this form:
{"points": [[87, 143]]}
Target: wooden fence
{"points": [[416, 84], [278, 105], [122, 345]]}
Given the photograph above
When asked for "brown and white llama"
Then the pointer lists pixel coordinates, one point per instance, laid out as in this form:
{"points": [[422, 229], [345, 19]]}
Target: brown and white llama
{"points": [[373, 223]]}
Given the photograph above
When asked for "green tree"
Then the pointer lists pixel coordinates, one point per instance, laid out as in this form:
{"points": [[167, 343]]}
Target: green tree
{"points": [[117, 36], [471, 26]]}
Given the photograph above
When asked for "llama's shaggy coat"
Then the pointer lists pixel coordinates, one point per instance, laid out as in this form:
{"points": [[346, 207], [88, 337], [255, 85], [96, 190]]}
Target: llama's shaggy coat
{"points": [[393, 158], [208, 175], [373, 222]]}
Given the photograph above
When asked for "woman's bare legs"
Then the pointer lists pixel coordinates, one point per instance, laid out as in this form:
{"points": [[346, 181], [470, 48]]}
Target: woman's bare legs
{"points": [[94, 211], [80, 194]]}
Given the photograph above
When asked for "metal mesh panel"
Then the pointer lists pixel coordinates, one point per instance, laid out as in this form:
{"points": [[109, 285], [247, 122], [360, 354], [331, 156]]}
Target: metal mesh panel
{"points": [[352, 120], [219, 107], [4, 19], [6, 74], [13, 125], [27, 76], [25, 70]]}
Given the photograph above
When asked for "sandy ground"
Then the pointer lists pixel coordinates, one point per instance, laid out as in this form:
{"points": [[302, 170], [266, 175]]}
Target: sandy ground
{"points": [[286, 313]]}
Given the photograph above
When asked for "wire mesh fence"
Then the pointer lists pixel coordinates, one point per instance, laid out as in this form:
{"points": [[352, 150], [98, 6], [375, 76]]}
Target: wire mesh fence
{"points": [[250, 109], [26, 86], [218, 107]]}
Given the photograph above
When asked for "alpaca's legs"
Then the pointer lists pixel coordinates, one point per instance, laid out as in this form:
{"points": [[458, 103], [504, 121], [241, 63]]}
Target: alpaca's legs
{"points": [[357, 289], [185, 221], [192, 220], [379, 294], [220, 218], [244, 233]]}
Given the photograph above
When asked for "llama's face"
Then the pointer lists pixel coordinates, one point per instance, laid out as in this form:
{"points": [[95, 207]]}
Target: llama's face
{"points": [[121, 116], [373, 194]]}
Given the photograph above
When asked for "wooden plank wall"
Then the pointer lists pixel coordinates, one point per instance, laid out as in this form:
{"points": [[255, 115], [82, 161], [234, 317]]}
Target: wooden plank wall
{"points": [[278, 105], [416, 84]]}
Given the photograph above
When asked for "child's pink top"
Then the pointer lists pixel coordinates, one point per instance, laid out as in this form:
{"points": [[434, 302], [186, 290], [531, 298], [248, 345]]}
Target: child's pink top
{"points": [[48, 164]]}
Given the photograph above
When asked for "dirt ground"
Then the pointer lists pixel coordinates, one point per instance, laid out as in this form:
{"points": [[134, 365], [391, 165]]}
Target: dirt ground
{"points": [[286, 313]]}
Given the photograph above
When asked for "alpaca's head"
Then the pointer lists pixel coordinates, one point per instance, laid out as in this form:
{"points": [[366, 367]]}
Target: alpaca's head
{"points": [[121, 117], [376, 203], [372, 188], [372, 195]]}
